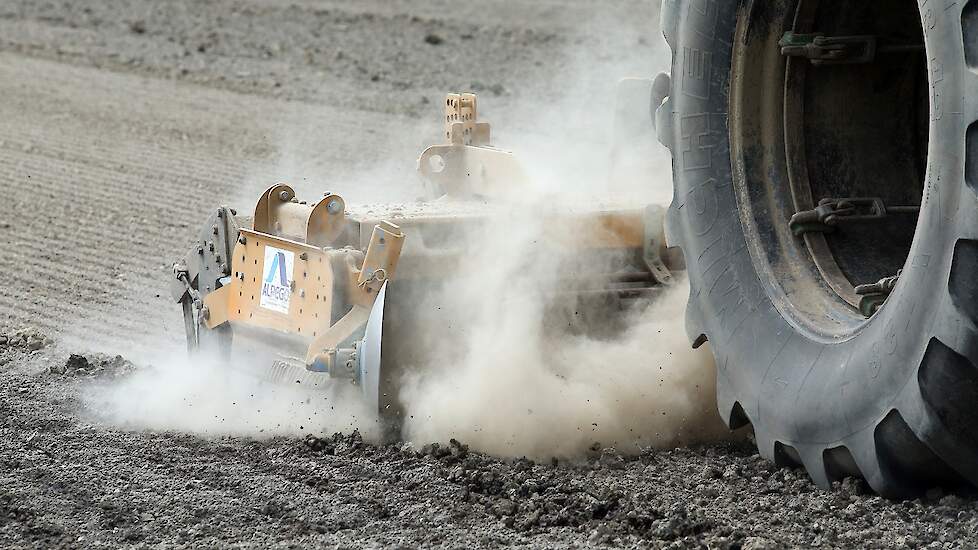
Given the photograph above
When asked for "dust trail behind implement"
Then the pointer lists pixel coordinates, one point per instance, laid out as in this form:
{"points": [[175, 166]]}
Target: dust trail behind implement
{"points": [[510, 375], [208, 398], [505, 374]]}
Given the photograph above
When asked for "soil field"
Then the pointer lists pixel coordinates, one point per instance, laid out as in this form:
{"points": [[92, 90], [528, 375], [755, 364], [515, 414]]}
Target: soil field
{"points": [[124, 122]]}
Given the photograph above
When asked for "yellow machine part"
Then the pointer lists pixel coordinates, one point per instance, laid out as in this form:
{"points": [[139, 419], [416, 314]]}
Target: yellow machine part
{"points": [[312, 285], [299, 296], [314, 270]]}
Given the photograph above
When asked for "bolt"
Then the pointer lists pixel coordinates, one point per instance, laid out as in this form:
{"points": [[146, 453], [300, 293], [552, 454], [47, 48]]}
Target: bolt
{"points": [[304, 256], [302, 293], [205, 312], [284, 196], [241, 275], [210, 246], [200, 248], [217, 258], [220, 213], [234, 212], [349, 365], [242, 239], [214, 229], [334, 207]]}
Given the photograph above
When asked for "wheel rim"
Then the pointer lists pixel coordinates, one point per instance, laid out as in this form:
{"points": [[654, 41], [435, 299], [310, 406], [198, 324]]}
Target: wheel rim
{"points": [[801, 132]]}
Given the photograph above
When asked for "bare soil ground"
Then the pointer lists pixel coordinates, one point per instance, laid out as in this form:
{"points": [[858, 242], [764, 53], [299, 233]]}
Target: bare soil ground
{"points": [[122, 122]]}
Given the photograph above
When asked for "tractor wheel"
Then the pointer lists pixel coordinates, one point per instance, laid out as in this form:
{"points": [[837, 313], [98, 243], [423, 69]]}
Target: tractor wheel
{"points": [[844, 332]]}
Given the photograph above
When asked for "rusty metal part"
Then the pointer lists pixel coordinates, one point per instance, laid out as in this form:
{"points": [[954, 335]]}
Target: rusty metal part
{"points": [[797, 173], [840, 50], [831, 213], [873, 295], [811, 137], [829, 50]]}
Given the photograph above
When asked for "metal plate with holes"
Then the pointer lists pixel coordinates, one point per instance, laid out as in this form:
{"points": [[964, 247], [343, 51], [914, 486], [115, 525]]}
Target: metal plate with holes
{"points": [[309, 301]]}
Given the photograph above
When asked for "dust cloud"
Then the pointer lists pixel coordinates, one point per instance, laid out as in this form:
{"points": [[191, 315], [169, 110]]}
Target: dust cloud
{"points": [[512, 371], [515, 364], [207, 397], [520, 368]]}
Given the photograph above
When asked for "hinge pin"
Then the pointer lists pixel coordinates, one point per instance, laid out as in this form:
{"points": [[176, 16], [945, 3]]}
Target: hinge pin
{"points": [[832, 212], [839, 50], [873, 295]]}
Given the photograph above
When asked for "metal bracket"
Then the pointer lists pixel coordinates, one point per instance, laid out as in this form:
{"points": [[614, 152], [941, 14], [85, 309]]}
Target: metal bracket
{"points": [[204, 270], [466, 164], [462, 124], [829, 50], [189, 300], [209, 258], [840, 50], [654, 244], [832, 212], [873, 295]]}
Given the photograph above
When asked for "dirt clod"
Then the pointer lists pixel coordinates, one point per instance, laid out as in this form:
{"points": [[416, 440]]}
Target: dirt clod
{"points": [[137, 27], [94, 365], [28, 338], [319, 444], [433, 39], [76, 362]]}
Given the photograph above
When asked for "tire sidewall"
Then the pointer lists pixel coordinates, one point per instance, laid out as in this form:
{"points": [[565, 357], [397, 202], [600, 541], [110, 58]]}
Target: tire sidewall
{"points": [[799, 388]]}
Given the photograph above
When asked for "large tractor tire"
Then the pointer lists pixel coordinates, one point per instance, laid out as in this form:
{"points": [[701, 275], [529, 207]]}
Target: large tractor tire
{"points": [[758, 136]]}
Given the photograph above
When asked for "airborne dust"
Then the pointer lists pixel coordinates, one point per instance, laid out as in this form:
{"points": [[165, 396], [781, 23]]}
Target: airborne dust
{"points": [[510, 371]]}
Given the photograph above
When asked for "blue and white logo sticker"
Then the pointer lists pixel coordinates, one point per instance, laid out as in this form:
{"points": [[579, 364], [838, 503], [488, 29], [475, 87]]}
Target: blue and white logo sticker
{"points": [[276, 286]]}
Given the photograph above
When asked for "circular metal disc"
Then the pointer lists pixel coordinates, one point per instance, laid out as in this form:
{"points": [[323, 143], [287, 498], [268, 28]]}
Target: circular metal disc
{"points": [[369, 352]]}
